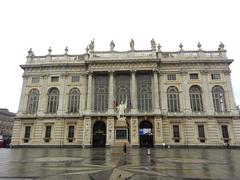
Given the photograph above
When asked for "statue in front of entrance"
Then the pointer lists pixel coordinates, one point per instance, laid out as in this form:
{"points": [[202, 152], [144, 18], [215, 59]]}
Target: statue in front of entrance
{"points": [[121, 109]]}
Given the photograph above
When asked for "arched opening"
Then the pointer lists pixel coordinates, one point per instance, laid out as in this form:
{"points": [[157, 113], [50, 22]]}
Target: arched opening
{"points": [[146, 134], [99, 134]]}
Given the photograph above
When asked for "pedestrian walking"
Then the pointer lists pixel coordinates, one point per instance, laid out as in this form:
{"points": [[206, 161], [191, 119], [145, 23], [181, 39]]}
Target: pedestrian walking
{"points": [[125, 148], [148, 149]]}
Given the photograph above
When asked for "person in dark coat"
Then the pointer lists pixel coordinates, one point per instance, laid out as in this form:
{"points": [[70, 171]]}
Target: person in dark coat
{"points": [[125, 148]]}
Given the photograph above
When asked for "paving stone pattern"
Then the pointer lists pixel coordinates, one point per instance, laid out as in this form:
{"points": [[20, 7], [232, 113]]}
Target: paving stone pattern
{"points": [[113, 164]]}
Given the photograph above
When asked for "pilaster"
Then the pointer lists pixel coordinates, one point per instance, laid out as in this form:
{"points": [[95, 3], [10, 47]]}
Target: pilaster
{"points": [[62, 95], [83, 92], [208, 106], [133, 92], [232, 103], [43, 95], [185, 89], [22, 98], [134, 131], [163, 96], [87, 126], [89, 92], [158, 131], [110, 95], [110, 131], [156, 93]]}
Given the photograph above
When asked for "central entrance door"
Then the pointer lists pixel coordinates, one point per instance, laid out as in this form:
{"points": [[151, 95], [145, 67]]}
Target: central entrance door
{"points": [[145, 134], [99, 134]]}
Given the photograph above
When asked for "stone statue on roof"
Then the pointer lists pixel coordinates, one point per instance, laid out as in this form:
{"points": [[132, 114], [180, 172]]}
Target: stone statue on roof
{"points": [[91, 45], [132, 44], [153, 44], [112, 45]]}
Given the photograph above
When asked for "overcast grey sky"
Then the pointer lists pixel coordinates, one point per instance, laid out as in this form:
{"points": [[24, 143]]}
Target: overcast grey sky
{"points": [[39, 24]]}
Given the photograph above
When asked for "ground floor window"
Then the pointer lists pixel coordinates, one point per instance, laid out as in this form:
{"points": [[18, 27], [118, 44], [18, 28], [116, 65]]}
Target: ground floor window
{"points": [[176, 133], [225, 134], [48, 133], [27, 134], [70, 133], [201, 133]]}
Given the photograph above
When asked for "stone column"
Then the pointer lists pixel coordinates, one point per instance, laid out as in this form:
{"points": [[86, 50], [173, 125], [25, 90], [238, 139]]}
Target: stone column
{"points": [[87, 131], [22, 98], [156, 93], [208, 105], [83, 92], [185, 90], [43, 98], [231, 100], [134, 131], [133, 92], [110, 131], [62, 95], [89, 92], [163, 95], [158, 132], [110, 95]]}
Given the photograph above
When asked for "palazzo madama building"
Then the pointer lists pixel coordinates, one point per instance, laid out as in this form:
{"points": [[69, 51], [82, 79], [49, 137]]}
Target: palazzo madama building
{"points": [[177, 98]]}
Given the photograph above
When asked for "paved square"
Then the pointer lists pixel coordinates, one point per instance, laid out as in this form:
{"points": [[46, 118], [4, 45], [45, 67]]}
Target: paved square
{"points": [[101, 164]]}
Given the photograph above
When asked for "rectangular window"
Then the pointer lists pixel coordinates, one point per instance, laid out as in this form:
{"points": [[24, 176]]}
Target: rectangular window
{"points": [[215, 76], [48, 133], [27, 134], [54, 79], [35, 80], [176, 134], [70, 133], [75, 78], [171, 77], [225, 133], [201, 133], [194, 76]]}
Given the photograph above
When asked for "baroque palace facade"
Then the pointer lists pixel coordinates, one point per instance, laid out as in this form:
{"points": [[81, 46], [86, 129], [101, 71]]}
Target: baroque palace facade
{"points": [[172, 98]]}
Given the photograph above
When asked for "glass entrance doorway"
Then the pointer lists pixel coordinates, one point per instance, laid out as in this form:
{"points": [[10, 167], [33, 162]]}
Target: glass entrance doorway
{"points": [[99, 134], [145, 134]]}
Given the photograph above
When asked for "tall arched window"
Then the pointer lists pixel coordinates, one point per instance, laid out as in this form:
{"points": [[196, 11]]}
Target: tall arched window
{"points": [[53, 97], [74, 97], [123, 89], [196, 98], [33, 98], [218, 99], [101, 93], [144, 92], [173, 99]]}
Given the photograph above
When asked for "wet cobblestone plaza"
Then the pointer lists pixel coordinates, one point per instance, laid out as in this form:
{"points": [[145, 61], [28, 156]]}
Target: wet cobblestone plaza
{"points": [[111, 163]]}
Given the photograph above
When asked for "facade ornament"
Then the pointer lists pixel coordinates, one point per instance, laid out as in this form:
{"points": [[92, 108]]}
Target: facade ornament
{"points": [[30, 52], [132, 45], [181, 47], [121, 109], [49, 50], [91, 45], [221, 47], [159, 47], [153, 44], [112, 45], [199, 46], [66, 50]]}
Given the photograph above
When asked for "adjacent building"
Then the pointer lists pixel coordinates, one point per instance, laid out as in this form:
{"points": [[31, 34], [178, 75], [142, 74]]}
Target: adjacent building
{"points": [[6, 123], [172, 98]]}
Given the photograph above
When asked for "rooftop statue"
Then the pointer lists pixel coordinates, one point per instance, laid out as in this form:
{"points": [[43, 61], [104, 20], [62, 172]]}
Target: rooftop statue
{"points": [[153, 44], [132, 44], [30, 52], [91, 45], [112, 45]]}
